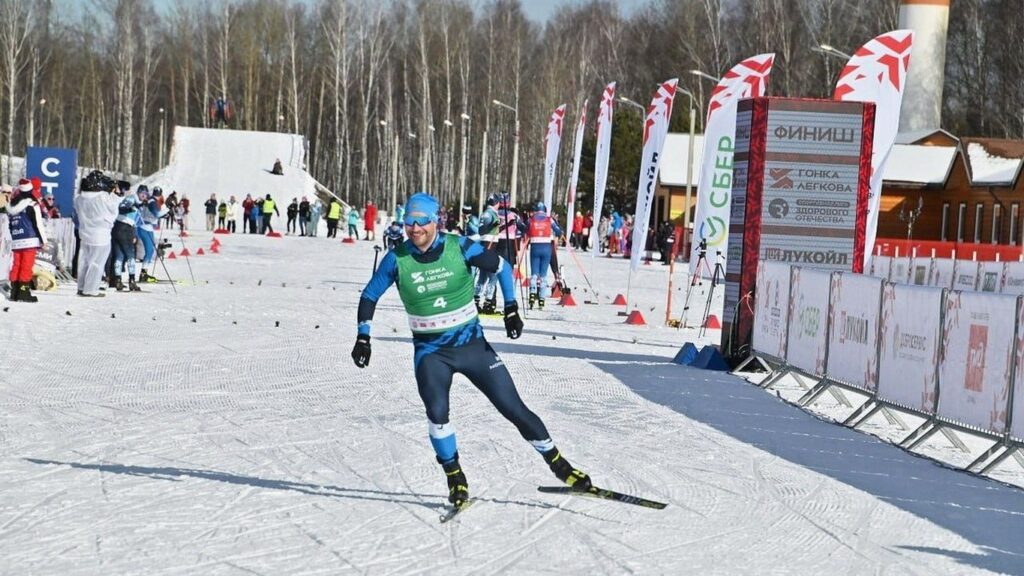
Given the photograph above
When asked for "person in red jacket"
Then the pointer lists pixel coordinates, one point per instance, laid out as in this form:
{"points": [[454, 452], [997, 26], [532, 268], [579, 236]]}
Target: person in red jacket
{"points": [[369, 219], [27, 236]]}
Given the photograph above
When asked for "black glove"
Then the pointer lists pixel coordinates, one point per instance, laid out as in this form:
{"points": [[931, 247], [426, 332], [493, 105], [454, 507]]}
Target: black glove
{"points": [[513, 323], [361, 351]]}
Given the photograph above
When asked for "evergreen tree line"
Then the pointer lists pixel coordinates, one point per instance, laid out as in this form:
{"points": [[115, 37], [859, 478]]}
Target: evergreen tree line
{"points": [[391, 95]]}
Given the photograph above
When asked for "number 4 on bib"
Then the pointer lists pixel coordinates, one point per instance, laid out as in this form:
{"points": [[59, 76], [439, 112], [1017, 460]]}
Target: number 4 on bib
{"points": [[440, 302]]}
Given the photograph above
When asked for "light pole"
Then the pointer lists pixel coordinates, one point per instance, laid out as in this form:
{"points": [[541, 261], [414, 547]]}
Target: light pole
{"points": [[448, 170], [462, 162], [700, 87], [483, 175], [515, 150], [163, 118], [32, 123], [689, 175]]}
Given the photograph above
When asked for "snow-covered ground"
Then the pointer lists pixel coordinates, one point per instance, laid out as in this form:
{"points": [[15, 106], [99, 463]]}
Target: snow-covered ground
{"points": [[225, 430]]}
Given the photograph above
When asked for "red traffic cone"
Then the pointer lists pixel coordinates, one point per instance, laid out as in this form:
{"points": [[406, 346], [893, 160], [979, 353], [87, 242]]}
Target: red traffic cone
{"points": [[214, 249], [712, 322], [171, 256], [567, 300], [620, 300], [273, 234], [556, 292], [221, 231], [348, 240], [185, 252], [636, 318], [200, 252]]}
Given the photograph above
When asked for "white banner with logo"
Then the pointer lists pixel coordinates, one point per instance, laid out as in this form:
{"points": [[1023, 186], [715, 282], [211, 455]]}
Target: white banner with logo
{"points": [[655, 129], [965, 275], [877, 73], [1017, 419], [602, 147], [853, 336], [990, 277], [772, 309], [941, 275], [747, 79], [899, 271], [911, 331], [974, 374], [808, 320], [1013, 278], [6, 259], [920, 268], [881, 266], [570, 197], [552, 143]]}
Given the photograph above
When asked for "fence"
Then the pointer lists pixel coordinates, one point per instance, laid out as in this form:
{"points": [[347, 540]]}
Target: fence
{"points": [[953, 357], [967, 275]]}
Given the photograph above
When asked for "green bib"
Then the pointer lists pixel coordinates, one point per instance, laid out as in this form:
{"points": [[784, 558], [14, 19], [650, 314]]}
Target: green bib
{"points": [[438, 295]]}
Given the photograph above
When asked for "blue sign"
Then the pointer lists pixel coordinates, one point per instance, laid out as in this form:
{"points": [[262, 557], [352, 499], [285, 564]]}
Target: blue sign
{"points": [[57, 169]]}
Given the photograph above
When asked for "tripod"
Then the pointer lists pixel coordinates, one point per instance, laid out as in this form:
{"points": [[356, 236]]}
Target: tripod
{"points": [[696, 279], [716, 278]]}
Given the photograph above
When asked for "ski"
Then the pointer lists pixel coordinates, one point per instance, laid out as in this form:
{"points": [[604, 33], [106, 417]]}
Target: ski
{"points": [[454, 511], [604, 494]]}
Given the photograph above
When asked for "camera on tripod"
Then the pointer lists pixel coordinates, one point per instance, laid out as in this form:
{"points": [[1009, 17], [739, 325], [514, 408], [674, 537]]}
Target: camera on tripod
{"points": [[702, 248], [161, 247]]}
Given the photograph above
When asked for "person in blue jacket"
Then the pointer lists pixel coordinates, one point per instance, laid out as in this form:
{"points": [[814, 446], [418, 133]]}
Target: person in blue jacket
{"points": [[123, 236], [393, 235], [432, 272], [149, 220], [543, 231]]}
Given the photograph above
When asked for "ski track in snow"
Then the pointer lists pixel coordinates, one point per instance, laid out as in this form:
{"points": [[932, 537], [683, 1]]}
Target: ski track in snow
{"points": [[189, 434]]}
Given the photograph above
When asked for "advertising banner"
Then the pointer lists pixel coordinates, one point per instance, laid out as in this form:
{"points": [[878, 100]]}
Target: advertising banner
{"points": [[941, 275], [602, 147], [6, 260], [881, 266], [920, 268], [853, 336], [771, 316], [911, 331], [877, 73], [900, 270], [978, 347], [1013, 278], [570, 196], [748, 79], [965, 275], [655, 128], [808, 320], [1017, 416], [56, 169], [990, 276], [552, 143]]}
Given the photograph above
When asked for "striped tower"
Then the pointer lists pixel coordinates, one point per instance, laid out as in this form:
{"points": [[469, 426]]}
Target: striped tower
{"points": [[922, 101]]}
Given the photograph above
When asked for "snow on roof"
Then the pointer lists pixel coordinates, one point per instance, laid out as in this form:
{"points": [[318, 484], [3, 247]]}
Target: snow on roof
{"points": [[928, 165], [915, 136], [988, 169], [673, 159], [229, 163]]}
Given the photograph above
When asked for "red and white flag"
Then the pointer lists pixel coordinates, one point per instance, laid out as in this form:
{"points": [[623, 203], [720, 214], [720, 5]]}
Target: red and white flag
{"points": [[552, 142], [655, 128], [570, 208], [877, 73], [747, 79], [601, 150]]}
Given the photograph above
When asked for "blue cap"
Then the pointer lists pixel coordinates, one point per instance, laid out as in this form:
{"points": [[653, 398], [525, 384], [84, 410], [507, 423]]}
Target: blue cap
{"points": [[421, 205], [540, 207]]}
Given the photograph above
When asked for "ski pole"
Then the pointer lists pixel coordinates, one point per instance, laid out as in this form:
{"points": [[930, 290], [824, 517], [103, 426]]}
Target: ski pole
{"points": [[376, 253], [188, 261]]}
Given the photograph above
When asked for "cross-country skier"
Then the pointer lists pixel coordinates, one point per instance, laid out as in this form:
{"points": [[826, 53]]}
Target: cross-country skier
{"points": [[150, 219], [393, 235], [434, 280], [488, 231], [543, 230]]}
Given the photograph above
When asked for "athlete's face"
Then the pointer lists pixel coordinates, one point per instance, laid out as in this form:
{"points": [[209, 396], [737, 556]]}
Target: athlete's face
{"points": [[422, 235]]}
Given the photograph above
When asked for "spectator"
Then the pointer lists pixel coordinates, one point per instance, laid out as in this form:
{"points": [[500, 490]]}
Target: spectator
{"points": [[353, 223], [369, 219], [247, 205], [269, 211], [293, 212], [603, 231], [303, 216], [222, 216], [172, 207], [588, 223], [211, 212], [314, 218], [28, 235], [48, 206], [278, 169], [96, 209], [234, 213], [333, 215], [255, 216], [576, 238], [185, 203]]}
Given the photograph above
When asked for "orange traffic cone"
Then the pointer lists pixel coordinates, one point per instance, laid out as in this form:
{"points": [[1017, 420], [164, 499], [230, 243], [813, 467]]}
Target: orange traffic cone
{"points": [[712, 322], [636, 318], [567, 300], [620, 300]]}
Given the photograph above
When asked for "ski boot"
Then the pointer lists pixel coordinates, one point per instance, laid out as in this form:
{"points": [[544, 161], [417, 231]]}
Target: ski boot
{"points": [[476, 301], [576, 479], [488, 307], [15, 293], [25, 294], [146, 278], [458, 487], [540, 303], [132, 286], [119, 285], [533, 300]]}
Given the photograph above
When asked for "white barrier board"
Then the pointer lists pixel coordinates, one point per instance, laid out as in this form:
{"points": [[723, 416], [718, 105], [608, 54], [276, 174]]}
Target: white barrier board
{"points": [[920, 270], [853, 336], [6, 260], [911, 331], [965, 275], [974, 374], [1013, 278], [771, 314], [942, 273], [1017, 416], [899, 271], [808, 320], [881, 266], [990, 276]]}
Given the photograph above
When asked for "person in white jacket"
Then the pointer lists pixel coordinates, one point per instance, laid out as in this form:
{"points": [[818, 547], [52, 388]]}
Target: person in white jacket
{"points": [[95, 210], [234, 214]]}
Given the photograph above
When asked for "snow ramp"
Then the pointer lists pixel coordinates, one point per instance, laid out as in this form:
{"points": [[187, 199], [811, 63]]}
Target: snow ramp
{"points": [[227, 163]]}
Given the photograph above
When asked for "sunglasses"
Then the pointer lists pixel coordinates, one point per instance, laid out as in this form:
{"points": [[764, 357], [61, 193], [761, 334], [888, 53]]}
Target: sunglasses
{"points": [[421, 221]]}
